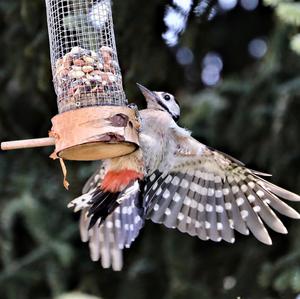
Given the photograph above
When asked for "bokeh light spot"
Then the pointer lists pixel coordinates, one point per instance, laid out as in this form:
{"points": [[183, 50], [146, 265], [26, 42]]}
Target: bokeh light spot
{"points": [[229, 283], [249, 4], [257, 48], [184, 56], [227, 4]]}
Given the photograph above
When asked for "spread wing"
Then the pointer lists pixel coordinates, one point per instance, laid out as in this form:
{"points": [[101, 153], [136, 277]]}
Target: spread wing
{"points": [[209, 194], [120, 228]]}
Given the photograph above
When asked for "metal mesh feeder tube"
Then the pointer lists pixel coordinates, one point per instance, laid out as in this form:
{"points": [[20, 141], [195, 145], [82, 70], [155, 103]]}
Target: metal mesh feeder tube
{"points": [[88, 82], [83, 53]]}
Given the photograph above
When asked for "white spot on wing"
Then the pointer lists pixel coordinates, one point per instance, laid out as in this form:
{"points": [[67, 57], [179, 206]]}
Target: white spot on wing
{"points": [[159, 190], [235, 189], [168, 179], [218, 193], [228, 206], [198, 174], [156, 207], [211, 192], [218, 179], [204, 191], [256, 209], [251, 185], [137, 219], [184, 184], [209, 208], [251, 198], [200, 207], [240, 201], [225, 191], [260, 193], [168, 212], [109, 224], [195, 187], [176, 197], [187, 201], [166, 194], [180, 216], [152, 177], [175, 180], [194, 204], [244, 214], [244, 188], [219, 209], [230, 179], [118, 223]]}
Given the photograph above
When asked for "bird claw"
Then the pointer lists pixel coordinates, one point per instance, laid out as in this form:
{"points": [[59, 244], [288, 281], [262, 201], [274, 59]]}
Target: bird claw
{"points": [[134, 107]]}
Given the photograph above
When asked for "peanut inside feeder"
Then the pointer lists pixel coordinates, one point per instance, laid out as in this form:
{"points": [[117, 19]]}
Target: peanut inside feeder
{"points": [[84, 77]]}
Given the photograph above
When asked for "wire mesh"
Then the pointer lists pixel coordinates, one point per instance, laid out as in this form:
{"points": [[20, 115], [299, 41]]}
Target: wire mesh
{"points": [[83, 53]]}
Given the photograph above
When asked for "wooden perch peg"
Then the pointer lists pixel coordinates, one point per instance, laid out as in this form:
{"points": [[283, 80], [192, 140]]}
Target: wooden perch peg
{"points": [[27, 143]]}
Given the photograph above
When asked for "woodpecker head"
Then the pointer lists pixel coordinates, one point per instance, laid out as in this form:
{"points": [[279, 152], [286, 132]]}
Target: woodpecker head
{"points": [[161, 101]]}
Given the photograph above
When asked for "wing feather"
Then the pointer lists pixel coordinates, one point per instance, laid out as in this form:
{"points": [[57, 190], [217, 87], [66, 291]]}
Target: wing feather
{"points": [[252, 220], [183, 219], [265, 213], [222, 217], [216, 195], [176, 203], [235, 219], [194, 204], [211, 215], [202, 233]]}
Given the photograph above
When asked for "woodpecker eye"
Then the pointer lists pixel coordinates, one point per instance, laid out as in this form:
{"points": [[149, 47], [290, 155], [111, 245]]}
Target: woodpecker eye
{"points": [[167, 97]]}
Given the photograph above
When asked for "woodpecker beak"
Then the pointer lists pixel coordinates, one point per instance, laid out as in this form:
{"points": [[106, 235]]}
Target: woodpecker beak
{"points": [[148, 94]]}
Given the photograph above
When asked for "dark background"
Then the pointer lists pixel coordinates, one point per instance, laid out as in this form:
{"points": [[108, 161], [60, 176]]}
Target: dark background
{"points": [[252, 114]]}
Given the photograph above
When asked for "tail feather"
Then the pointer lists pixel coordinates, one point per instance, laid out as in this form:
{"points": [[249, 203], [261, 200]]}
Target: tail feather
{"points": [[102, 205], [83, 201], [110, 194], [84, 225], [108, 239]]}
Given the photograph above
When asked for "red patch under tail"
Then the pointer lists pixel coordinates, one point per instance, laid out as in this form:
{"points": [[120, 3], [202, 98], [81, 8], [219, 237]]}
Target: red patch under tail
{"points": [[116, 181]]}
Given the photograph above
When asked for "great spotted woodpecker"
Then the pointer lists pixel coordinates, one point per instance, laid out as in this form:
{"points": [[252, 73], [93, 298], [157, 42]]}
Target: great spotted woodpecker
{"points": [[175, 180]]}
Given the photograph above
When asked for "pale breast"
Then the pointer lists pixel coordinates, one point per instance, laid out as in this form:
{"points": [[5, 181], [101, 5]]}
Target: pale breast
{"points": [[155, 138]]}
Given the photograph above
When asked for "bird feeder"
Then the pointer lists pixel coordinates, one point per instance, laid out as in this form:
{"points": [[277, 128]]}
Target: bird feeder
{"points": [[94, 121]]}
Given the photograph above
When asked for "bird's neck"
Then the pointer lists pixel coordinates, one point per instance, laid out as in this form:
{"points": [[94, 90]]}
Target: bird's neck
{"points": [[155, 106]]}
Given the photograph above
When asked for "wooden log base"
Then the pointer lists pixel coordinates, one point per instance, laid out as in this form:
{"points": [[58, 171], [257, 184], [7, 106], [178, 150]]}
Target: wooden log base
{"points": [[95, 133], [94, 150]]}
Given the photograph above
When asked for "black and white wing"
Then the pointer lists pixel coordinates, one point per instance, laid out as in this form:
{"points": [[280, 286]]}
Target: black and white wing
{"points": [[209, 194], [108, 239]]}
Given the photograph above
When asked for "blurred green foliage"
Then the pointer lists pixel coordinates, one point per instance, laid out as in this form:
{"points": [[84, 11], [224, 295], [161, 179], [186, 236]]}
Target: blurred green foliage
{"points": [[253, 114]]}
